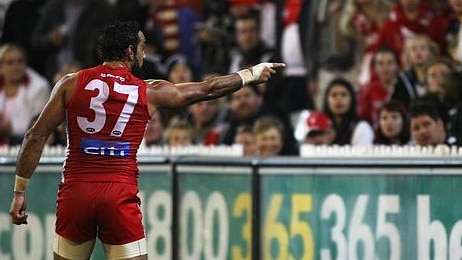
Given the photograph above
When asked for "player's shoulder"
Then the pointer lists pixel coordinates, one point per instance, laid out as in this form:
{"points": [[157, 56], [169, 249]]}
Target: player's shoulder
{"points": [[85, 73], [66, 83], [69, 78]]}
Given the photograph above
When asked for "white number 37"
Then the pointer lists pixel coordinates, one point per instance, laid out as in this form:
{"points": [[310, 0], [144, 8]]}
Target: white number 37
{"points": [[96, 104]]}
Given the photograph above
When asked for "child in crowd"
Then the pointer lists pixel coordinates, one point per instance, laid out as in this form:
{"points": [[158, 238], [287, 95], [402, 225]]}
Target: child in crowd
{"points": [[245, 137], [178, 134], [268, 132]]}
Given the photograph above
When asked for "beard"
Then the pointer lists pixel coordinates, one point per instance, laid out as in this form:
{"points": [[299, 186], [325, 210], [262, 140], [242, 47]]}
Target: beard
{"points": [[138, 64], [137, 68]]}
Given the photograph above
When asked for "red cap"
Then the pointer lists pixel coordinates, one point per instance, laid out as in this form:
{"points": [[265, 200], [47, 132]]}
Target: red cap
{"points": [[318, 121]]}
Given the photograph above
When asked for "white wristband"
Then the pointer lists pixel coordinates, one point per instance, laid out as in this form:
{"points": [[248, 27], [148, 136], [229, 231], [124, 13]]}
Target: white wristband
{"points": [[254, 73], [20, 184]]}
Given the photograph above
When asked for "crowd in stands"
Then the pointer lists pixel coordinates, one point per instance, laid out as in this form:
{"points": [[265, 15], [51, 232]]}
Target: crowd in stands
{"points": [[358, 72]]}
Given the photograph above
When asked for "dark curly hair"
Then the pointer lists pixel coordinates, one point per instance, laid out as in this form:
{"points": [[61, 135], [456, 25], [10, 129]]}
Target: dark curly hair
{"points": [[116, 38]]}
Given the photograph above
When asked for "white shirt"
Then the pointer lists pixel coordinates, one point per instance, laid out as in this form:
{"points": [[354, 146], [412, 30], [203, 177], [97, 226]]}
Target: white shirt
{"points": [[28, 103], [363, 134]]}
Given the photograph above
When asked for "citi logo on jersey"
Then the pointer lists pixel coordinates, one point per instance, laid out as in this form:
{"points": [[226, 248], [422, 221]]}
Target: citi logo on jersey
{"points": [[105, 148]]}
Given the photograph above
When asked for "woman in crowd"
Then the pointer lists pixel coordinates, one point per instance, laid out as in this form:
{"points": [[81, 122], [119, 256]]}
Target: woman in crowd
{"points": [[393, 125], [23, 93], [340, 105]]}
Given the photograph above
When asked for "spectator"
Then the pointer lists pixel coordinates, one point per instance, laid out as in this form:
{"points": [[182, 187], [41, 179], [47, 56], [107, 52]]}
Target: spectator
{"points": [[419, 51], [320, 129], [269, 133], [178, 71], [250, 49], [174, 22], [207, 119], [23, 93], [246, 106], [373, 95], [154, 131], [291, 94], [393, 125], [407, 18], [328, 54], [427, 127], [265, 10], [244, 136], [435, 74], [340, 105], [361, 22], [214, 37], [178, 133], [68, 30]]}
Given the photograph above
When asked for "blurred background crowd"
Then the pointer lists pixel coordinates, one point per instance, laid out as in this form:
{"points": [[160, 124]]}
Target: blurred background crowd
{"points": [[358, 72]]}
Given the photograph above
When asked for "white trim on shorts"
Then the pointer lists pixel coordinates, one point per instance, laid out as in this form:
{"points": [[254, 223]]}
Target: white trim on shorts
{"points": [[71, 250], [132, 249]]}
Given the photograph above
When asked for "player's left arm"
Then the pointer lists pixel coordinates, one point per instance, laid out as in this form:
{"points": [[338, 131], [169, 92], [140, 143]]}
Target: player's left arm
{"points": [[167, 94]]}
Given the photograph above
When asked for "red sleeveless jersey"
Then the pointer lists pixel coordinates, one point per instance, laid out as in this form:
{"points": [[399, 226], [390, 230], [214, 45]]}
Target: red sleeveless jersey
{"points": [[106, 120]]}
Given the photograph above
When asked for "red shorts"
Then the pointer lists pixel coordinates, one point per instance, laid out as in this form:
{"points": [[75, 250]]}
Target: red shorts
{"points": [[110, 210]]}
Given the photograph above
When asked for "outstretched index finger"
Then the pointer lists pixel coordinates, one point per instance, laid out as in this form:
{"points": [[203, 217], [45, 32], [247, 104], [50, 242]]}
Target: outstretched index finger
{"points": [[276, 65]]}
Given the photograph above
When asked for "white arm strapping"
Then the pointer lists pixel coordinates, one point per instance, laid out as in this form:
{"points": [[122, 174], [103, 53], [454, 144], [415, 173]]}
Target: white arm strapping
{"points": [[254, 73]]}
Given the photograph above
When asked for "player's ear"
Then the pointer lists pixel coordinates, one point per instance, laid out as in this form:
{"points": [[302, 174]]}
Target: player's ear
{"points": [[131, 52]]}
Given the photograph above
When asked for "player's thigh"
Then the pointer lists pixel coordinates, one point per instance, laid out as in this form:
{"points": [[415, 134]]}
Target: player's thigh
{"points": [[65, 249], [133, 250]]}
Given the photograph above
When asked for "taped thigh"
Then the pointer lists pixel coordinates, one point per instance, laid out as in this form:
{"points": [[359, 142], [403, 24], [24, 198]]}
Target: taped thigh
{"points": [[132, 249], [71, 250]]}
